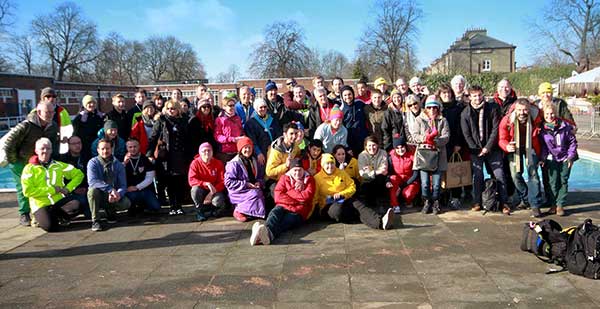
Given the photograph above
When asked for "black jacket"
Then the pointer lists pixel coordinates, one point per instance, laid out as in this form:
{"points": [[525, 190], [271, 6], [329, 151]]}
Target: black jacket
{"points": [[469, 122], [452, 114], [392, 125], [88, 130], [174, 133], [123, 122]]}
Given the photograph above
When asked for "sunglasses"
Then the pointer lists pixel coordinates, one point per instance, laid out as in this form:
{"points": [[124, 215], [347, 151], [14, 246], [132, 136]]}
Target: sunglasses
{"points": [[205, 106], [230, 105], [431, 107], [410, 105], [290, 83]]}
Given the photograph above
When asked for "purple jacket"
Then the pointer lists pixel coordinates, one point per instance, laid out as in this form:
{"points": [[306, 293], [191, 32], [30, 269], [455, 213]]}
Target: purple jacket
{"points": [[560, 142], [246, 200]]}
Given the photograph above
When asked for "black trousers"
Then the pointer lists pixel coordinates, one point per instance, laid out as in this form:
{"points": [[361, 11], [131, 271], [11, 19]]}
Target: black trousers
{"points": [[47, 217], [352, 209]]}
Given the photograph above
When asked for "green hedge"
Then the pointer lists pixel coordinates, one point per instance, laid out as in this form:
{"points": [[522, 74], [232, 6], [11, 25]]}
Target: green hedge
{"points": [[524, 82]]}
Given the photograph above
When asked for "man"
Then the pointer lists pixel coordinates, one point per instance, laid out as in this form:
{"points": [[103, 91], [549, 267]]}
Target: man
{"points": [[274, 101], [61, 118], [519, 138], [336, 94], [119, 116], [479, 124], [136, 110], [243, 107], [262, 129], [381, 85], [140, 175], [111, 134], [458, 84], [363, 92], [49, 196], [20, 145], [354, 120], [300, 101], [294, 195], [76, 157], [283, 150], [417, 88], [318, 82], [402, 87], [107, 185], [201, 92], [375, 113], [505, 96], [206, 178], [319, 112]]}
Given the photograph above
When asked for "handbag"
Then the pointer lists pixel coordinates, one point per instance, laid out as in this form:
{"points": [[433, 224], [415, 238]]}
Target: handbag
{"points": [[458, 173], [426, 158], [160, 152]]}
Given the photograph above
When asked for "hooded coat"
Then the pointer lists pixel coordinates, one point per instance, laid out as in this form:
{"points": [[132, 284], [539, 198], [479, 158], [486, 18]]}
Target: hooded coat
{"points": [[247, 200]]}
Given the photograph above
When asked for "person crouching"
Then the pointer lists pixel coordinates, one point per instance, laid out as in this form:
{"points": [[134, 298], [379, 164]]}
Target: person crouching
{"points": [[206, 178]]}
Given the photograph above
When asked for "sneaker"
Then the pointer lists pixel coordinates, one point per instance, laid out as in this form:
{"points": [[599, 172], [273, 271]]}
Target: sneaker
{"points": [[506, 209], [426, 208], [173, 212], [535, 213], [200, 216], [436, 208], [25, 220], [64, 222], [476, 207], [96, 226], [240, 216], [263, 235], [179, 212], [397, 210], [560, 211], [255, 236], [455, 204], [387, 221], [523, 205]]}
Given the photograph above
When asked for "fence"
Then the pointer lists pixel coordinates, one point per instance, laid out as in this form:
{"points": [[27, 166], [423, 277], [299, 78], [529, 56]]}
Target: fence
{"points": [[588, 123]]}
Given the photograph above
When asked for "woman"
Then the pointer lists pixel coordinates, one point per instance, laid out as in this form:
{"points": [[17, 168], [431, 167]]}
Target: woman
{"points": [[392, 124], [87, 124], [559, 149], [431, 134], [159, 103], [202, 127], [334, 198], [170, 136], [332, 133], [402, 184], [142, 128], [413, 110], [373, 170], [345, 162], [354, 121], [228, 128], [206, 178], [244, 180]]}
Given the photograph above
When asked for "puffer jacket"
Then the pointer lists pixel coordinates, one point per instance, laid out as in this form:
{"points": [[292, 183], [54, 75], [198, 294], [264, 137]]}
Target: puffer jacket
{"points": [[20, 140], [227, 129], [277, 157], [559, 144], [299, 202], [328, 185], [401, 166]]}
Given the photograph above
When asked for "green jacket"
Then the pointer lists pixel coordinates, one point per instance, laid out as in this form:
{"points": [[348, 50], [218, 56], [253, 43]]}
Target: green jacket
{"points": [[20, 140], [39, 181]]}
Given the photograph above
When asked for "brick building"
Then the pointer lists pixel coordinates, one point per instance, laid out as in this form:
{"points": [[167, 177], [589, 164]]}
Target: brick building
{"points": [[475, 52]]}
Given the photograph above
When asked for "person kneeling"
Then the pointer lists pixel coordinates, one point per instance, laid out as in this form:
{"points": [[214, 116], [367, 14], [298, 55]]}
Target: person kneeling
{"points": [[140, 177], [206, 178], [294, 194], [50, 200], [334, 197]]}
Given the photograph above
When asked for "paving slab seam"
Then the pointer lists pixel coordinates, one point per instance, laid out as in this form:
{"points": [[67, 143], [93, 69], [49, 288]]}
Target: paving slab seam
{"points": [[419, 275]]}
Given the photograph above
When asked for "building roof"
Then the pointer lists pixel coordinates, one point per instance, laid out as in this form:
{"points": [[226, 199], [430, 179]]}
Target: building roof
{"points": [[478, 39]]}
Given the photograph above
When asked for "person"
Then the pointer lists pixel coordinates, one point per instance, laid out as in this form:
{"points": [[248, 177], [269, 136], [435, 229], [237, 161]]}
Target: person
{"points": [[20, 146], [318, 112], [294, 195], [354, 120], [345, 162], [202, 125], [206, 178], [333, 132], [545, 92], [119, 116], [201, 94], [362, 92], [140, 175], [176, 96], [61, 118], [518, 137], [373, 170], [311, 157], [318, 82], [171, 131], [418, 89], [334, 198], [243, 108], [110, 132], [336, 94], [479, 123], [299, 102], [409, 118], [402, 87], [393, 120], [459, 87], [87, 123], [559, 151], [186, 110], [228, 128], [375, 113], [244, 181], [432, 132], [77, 158], [274, 101], [159, 103], [136, 110], [143, 125], [382, 85], [504, 96], [402, 181], [49, 198], [262, 129], [283, 150], [107, 185]]}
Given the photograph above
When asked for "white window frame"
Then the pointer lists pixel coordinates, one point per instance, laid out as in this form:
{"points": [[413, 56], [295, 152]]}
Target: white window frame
{"points": [[487, 65]]}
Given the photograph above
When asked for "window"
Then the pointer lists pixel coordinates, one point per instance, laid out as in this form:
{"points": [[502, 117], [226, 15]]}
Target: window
{"points": [[487, 65]]}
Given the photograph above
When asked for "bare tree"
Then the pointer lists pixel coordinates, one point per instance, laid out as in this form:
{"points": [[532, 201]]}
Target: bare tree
{"points": [[391, 37], [334, 63], [570, 30], [7, 8], [155, 57], [168, 58], [68, 39], [230, 76], [21, 48], [283, 52]]}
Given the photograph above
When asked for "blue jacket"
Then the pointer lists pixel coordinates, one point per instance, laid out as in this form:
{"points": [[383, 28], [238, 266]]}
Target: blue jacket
{"points": [[95, 176], [119, 149], [239, 110]]}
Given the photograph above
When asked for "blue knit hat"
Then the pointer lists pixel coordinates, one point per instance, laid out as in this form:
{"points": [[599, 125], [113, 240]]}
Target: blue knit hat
{"points": [[270, 85]]}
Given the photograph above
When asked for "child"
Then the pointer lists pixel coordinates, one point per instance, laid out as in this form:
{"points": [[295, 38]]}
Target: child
{"points": [[402, 181], [311, 157]]}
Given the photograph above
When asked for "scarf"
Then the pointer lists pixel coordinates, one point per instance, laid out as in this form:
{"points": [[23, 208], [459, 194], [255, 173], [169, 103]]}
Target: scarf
{"points": [[265, 123], [250, 169], [148, 121], [517, 140], [206, 121], [107, 168], [479, 108]]}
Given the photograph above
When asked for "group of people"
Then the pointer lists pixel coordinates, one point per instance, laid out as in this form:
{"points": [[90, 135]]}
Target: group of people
{"points": [[292, 155]]}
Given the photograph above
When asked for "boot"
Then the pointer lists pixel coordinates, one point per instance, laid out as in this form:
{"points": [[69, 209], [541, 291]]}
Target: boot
{"points": [[436, 207], [426, 207]]}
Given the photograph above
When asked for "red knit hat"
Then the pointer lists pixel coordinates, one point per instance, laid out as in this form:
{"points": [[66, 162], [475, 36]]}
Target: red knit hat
{"points": [[336, 113], [243, 142]]}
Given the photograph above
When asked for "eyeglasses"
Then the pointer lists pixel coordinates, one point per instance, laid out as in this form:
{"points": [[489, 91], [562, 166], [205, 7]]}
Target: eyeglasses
{"points": [[431, 107], [230, 105], [205, 106]]}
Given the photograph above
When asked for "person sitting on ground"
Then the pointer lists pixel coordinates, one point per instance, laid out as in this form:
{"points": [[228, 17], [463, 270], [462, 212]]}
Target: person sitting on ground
{"points": [[107, 185], [402, 181], [110, 133], [373, 170], [283, 150], [49, 197], [347, 163], [334, 198], [77, 158], [206, 178], [332, 132], [294, 195], [311, 157], [140, 175], [244, 180]]}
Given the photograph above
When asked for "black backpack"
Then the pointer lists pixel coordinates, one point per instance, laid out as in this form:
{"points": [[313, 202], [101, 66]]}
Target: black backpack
{"points": [[583, 252], [489, 197], [547, 240]]}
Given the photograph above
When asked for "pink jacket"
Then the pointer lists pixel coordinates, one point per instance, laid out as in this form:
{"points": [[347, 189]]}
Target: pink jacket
{"points": [[227, 128]]}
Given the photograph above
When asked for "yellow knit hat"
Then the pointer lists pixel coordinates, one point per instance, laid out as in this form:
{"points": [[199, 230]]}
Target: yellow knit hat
{"points": [[380, 81], [544, 87], [326, 158]]}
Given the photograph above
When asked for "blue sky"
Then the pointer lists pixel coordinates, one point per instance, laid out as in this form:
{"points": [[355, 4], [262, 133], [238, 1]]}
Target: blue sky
{"points": [[223, 32]]}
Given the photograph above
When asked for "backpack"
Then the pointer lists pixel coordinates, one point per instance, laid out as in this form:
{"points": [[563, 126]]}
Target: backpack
{"points": [[489, 197], [547, 240], [583, 252]]}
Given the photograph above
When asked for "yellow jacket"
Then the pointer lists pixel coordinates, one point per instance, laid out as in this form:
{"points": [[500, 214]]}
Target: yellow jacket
{"points": [[352, 169], [277, 157], [328, 185]]}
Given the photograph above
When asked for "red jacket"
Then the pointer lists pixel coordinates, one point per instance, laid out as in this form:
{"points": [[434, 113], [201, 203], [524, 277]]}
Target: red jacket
{"points": [[307, 162], [299, 202], [139, 132], [201, 174], [506, 131], [402, 165]]}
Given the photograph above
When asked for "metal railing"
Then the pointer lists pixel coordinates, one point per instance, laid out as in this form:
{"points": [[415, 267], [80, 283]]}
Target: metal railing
{"points": [[7, 123], [588, 123]]}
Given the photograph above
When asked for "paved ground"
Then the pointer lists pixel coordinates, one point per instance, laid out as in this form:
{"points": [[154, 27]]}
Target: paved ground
{"points": [[457, 259]]}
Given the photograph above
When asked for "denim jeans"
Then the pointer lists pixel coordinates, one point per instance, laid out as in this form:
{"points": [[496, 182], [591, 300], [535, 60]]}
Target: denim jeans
{"points": [[145, 197], [430, 189], [281, 220], [529, 192], [494, 161]]}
